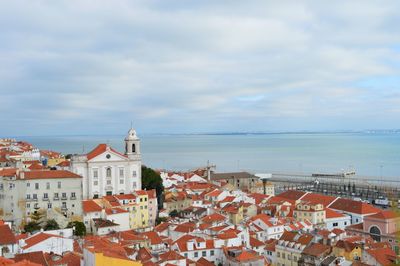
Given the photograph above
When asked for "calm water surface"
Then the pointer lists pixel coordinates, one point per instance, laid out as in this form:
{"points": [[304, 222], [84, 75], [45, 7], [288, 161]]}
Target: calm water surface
{"points": [[372, 154]]}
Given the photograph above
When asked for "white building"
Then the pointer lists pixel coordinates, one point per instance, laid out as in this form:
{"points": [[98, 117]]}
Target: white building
{"points": [[106, 171], [47, 243], [25, 192]]}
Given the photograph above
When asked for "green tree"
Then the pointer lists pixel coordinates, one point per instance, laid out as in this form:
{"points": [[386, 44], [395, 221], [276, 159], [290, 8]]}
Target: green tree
{"points": [[31, 227], [160, 220], [152, 180], [51, 225], [80, 228]]}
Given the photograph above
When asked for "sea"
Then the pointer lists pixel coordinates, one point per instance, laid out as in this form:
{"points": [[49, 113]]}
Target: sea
{"points": [[375, 154]]}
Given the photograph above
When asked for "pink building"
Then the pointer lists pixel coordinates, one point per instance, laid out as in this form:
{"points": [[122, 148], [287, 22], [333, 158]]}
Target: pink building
{"points": [[381, 226]]}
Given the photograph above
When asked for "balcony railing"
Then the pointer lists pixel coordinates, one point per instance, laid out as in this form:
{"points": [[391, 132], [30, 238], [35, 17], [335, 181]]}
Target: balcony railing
{"points": [[46, 199], [73, 197], [64, 197], [56, 198]]}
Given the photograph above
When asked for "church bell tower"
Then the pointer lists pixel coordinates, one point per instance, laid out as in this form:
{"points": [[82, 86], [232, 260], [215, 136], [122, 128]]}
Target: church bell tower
{"points": [[132, 145]]}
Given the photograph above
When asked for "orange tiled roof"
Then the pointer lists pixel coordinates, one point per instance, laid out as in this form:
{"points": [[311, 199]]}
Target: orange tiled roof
{"points": [[353, 206], [7, 236], [384, 215], [101, 148], [46, 174], [90, 206]]}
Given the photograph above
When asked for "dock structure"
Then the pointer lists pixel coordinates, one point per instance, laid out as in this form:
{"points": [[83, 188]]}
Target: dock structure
{"points": [[350, 186]]}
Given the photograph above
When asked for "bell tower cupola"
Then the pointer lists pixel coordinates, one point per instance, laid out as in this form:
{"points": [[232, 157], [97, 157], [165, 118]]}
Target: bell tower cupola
{"points": [[132, 144]]}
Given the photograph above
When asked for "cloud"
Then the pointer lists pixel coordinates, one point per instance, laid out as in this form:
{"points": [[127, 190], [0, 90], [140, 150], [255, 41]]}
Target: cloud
{"points": [[202, 66]]}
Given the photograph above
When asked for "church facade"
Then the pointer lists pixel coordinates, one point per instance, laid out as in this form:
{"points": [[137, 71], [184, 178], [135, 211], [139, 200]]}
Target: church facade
{"points": [[106, 171]]}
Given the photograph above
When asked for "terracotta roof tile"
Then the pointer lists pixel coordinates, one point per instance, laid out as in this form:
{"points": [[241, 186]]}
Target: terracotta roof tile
{"points": [[7, 236]]}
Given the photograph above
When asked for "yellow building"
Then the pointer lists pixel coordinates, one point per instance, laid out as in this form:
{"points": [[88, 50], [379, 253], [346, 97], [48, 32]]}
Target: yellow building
{"points": [[351, 251], [141, 216], [102, 259], [234, 211], [313, 212]]}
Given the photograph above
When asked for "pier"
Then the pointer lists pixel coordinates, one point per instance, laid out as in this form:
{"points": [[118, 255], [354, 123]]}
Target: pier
{"points": [[349, 186]]}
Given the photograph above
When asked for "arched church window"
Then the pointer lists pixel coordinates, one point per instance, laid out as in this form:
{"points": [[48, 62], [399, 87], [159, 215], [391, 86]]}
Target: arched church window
{"points": [[126, 147], [108, 172], [133, 148], [375, 233]]}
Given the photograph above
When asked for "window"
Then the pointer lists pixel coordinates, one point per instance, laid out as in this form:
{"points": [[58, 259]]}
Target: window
{"points": [[283, 255], [335, 224], [64, 195], [64, 205], [56, 195], [204, 253], [59, 184], [211, 252], [196, 254], [28, 184], [134, 185], [34, 196], [134, 173], [36, 185], [121, 181], [28, 196], [133, 147], [49, 205], [96, 196], [95, 173], [95, 183], [108, 182], [278, 254], [108, 172], [48, 185], [73, 195], [28, 205], [121, 172], [45, 195]]}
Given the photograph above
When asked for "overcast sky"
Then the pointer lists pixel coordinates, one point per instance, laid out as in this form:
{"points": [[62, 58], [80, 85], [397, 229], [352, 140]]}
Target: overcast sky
{"points": [[92, 67]]}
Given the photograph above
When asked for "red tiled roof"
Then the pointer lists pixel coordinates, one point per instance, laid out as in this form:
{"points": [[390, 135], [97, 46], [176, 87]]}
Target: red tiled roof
{"points": [[384, 256], [35, 257], [155, 239], [353, 206], [215, 217], [64, 163], [329, 214], [317, 250], [292, 194], [7, 236], [5, 261], [90, 206], [46, 174], [254, 242], [384, 215], [8, 172], [171, 255], [318, 198], [101, 148]]}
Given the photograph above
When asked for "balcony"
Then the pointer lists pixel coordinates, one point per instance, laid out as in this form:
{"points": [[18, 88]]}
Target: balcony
{"points": [[45, 199], [64, 208], [73, 197], [64, 198], [56, 198]]}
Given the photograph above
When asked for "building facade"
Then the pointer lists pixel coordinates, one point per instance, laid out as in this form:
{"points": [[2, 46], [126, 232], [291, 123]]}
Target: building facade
{"points": [[106, 171], [27, 192]]}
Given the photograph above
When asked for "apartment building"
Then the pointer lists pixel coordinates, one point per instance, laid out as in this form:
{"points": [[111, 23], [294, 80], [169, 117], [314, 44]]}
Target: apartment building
{"points": [[23, 193]]}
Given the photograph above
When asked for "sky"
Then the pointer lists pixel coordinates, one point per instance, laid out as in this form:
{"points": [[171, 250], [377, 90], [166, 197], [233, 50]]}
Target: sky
{"points": [[95, 67]]}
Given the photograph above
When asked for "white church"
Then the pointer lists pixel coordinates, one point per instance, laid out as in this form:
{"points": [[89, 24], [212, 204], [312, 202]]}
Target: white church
{"points": [[106, 171]]}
